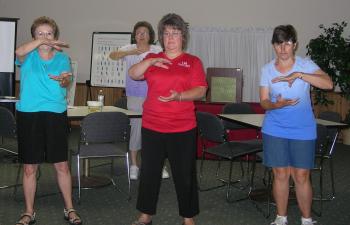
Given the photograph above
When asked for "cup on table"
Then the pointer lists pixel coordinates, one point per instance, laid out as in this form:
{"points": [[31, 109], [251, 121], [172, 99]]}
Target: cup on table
{"points": [[94, 106]]}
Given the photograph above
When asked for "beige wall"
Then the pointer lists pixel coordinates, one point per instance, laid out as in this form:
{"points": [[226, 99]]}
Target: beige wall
{"points": [[77, 19]]}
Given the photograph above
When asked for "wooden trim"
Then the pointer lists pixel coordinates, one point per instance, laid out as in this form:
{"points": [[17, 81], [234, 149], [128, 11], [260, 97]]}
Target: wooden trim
{"points": [[341, 105]]}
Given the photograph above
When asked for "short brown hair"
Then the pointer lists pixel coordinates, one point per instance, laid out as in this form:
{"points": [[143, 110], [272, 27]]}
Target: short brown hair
{"points": [[176, 22], [284, 33], [45, 20], [150, 30]]}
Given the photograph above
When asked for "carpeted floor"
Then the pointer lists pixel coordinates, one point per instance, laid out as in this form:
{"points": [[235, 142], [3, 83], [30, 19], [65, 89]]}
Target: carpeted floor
{"points": [[108, 206]]}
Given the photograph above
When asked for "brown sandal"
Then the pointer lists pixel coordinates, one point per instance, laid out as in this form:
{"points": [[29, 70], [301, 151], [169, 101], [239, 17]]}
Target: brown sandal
{"points": [[24, 215], [74, 220]]}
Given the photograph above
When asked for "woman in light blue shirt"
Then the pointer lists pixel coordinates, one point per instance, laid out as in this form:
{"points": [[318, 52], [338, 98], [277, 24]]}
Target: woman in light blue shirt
{"points": [[289, 127]]}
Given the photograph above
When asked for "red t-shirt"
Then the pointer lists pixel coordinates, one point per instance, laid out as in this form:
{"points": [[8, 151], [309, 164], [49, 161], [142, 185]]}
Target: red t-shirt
{"points": [[185, 72]]}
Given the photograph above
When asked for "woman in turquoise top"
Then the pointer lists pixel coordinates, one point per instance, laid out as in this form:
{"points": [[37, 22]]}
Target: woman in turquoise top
{"points": [[289, 128], [42, 114]]}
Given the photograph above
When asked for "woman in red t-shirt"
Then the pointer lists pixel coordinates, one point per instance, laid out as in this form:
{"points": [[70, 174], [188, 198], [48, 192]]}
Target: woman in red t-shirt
{"points": [[175, 79]]}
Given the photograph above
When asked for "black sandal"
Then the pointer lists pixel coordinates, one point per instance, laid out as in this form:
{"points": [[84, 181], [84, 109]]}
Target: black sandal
{"points": [[74, 220], [30, 216]]}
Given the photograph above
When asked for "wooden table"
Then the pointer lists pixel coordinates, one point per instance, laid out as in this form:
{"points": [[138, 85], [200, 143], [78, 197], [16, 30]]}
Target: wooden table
{"points": [[79, 112], [256, 120]]}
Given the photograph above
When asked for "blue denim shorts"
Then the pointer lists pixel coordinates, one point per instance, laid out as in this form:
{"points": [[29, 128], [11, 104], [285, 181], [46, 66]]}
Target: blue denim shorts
{"points": [[283, 152]]}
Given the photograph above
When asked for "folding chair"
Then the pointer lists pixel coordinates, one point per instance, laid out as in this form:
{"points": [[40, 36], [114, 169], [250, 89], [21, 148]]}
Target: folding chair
{"points": [[104, 135], [326, 140], [212, 129], [237, 108], [8, 135]]}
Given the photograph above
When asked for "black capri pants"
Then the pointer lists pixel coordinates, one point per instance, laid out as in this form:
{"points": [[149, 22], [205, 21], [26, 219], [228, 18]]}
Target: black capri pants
{"points": [[180, 149]]}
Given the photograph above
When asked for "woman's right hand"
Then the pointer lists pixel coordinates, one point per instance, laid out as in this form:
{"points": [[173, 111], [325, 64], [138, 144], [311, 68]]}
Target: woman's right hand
{"points": [[56, 44], [282, 102], [137, 70], [116, 55], [160, 62], [24, 49]]}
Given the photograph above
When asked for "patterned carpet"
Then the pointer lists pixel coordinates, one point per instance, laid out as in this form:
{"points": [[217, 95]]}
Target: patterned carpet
{"points": [[108, 206]]}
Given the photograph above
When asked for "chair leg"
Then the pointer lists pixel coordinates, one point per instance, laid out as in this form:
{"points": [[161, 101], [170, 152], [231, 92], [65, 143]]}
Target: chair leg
{"points": [[216, 176], [320, 194], [228, 191], [201, 172], [267, 181], [9, 151], [15, 159], [14, 194], [331, 171], [218, 169], [128, 172], [242, 169], [320, 197], [250, 180], [321, 190], [78, 177], [269, 193]]}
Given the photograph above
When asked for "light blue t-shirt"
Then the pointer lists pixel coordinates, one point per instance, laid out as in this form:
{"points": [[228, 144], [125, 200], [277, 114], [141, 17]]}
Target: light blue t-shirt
{"points": [[38, 92], [296, 121]]}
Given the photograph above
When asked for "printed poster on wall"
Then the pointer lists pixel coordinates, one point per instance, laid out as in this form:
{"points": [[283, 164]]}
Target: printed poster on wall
{"points": [[105, 72]]}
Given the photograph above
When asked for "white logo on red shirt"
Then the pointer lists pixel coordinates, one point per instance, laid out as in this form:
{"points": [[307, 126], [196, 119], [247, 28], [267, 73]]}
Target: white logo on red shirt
{"points": [[184, 64]]}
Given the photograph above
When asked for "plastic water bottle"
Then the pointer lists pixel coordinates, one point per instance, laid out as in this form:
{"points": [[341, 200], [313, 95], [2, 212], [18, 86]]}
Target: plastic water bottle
{"points": [[101, 97]]}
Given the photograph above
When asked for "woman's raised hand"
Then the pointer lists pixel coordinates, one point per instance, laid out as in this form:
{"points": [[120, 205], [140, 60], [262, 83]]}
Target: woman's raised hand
{"points": [[160, 62], [282, 102], [63, 78], [174, 96], [289, 78], [56, 44]]}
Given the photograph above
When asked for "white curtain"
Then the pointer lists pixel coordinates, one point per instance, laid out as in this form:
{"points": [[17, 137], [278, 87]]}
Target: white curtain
{"points": [[246, 48]]}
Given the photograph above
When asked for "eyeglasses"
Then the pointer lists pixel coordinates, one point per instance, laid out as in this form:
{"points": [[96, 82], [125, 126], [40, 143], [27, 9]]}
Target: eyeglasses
{"points": [[44, 34], [141, 33], [173, 34]]}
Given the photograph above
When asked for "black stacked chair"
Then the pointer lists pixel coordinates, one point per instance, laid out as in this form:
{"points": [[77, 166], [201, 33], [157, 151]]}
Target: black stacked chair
{"points": [[104, 135], [9, 145], [212, 129], [8, 135], [326, 140], [237, 108], [8, 130]]}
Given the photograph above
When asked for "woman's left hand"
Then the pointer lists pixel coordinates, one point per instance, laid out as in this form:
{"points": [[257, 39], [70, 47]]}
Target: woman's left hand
{"points": [[63, 78], [174, 96], [289, 78]]}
